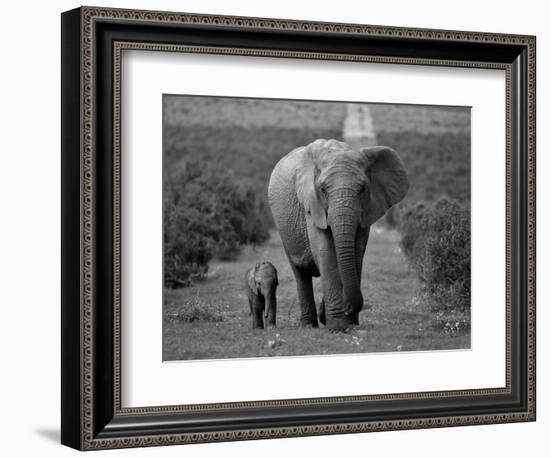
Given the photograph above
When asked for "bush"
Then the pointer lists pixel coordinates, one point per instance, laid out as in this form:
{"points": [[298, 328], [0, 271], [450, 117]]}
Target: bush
{"points": [[436, 241], [205, 215]]}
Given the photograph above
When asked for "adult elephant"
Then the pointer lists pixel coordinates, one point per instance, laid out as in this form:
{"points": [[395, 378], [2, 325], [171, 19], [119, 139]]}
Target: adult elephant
{"points": [[324, 197]]}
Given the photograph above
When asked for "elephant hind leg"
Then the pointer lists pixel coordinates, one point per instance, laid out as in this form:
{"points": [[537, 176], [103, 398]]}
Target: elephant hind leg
{"points": [[308, 313], [354, 318]]}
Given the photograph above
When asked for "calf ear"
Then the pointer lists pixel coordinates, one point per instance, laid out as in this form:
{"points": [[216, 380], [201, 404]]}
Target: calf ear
{"points": [[388, 178]]}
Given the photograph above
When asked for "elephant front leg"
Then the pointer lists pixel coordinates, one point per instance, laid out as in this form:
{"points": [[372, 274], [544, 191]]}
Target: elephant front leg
{"points": [[354, 318], [308, 313], [335, 317], [332, 306], [257, 313]]}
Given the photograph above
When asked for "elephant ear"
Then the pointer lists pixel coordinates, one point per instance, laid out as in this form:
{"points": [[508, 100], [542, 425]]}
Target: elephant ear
{"points": [[307, 192], [388, 181], [251, 279]]}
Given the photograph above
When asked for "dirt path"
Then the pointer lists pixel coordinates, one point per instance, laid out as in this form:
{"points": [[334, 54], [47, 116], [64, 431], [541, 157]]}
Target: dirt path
{"points": [[358, 129]]}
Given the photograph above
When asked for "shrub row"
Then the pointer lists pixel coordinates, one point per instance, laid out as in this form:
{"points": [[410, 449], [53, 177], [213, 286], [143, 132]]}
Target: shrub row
{"points": [[436, 241], [206, 214]]}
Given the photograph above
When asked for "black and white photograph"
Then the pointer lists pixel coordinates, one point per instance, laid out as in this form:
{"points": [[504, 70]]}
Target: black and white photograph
{"points": [[304, 227], [275, 229]]}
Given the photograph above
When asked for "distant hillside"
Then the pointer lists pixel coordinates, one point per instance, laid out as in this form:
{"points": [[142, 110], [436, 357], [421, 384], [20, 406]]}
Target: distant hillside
{"points": [[245, 136], [434, 143], [437, 164], [243, 112], [424, 119]]}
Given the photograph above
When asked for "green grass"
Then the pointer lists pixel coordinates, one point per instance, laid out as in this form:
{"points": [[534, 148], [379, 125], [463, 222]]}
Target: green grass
{"points": [[397, 321]]}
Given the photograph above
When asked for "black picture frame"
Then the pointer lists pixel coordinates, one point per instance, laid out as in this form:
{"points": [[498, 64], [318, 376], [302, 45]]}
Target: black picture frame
{"points": [[92, 416]]}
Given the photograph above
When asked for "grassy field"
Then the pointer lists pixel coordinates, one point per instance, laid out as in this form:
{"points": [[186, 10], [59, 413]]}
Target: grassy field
{"points": [[245, 137], [252, 113], [210, 319], [423, 119], [249, 136], [434, 143], [437, 164]]}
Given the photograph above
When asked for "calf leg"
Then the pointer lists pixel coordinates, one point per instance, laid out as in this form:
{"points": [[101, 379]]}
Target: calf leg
{"points": [[258, 313]]}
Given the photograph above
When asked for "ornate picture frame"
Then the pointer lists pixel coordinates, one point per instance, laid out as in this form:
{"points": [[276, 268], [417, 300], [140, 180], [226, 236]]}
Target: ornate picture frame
{"points": [[93, 416]]}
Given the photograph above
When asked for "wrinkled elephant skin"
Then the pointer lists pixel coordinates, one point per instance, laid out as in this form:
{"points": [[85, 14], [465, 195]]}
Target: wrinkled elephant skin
{"points": [[324, 197]]}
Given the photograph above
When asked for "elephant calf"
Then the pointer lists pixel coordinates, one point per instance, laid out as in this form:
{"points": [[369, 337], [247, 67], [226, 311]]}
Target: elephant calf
{"points": [[261, 286]]}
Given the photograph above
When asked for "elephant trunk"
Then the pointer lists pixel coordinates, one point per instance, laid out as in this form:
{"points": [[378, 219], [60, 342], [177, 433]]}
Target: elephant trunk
{"points": [[344, 232]]}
